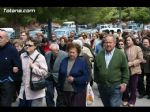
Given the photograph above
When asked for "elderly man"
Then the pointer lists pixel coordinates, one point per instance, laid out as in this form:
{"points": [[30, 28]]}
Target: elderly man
{"points": [[111, 73], [9, 64], [53, 59]]}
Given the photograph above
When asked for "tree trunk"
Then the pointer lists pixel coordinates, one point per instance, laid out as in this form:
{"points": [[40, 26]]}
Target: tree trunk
{"points": [[49, 28]]}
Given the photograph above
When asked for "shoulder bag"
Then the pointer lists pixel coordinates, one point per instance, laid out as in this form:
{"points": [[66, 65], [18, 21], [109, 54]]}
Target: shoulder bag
{"points": [[37, 85]]}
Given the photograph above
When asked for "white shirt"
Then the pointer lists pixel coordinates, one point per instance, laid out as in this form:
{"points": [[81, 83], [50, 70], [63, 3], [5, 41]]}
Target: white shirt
{"points": [[108, 57]]}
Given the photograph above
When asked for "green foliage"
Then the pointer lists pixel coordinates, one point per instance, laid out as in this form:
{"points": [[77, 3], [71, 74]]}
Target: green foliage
{"points": [[81, 15]]}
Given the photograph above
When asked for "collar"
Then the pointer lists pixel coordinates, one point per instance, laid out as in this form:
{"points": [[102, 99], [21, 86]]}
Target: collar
{"points": [[110, 53], [33, 55]]}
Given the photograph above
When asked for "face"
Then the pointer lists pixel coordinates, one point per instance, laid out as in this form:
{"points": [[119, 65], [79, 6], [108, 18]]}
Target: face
{"points": [[72, 34], [109, 44], [62, 41], [23, 37], [30, 47], [73, 53], [121, 45], [137, 41], [18, 47], [129, 42], [54, 50], [53, 37], [146, 43], [3, 38], [39, 38], [94, 36]]}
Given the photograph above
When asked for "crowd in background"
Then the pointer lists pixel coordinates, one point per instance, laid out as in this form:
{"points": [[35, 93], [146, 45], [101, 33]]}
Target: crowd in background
{"points": [[69, 64]]}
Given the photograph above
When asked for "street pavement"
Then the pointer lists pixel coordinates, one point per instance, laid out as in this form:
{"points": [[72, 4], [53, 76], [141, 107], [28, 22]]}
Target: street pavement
{"points": [[144, 102]]}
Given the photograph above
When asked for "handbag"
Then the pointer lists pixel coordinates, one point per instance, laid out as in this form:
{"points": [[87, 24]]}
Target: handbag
{"points": [[89, 95], [37, 85]]}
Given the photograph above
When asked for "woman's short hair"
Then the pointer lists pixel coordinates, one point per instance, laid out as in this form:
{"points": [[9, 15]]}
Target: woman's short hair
{"points": [[18, 41], [65, 39], [133, 39], [120, 40], [36, 43], [74, 45], [26, 32], [146, 38]]}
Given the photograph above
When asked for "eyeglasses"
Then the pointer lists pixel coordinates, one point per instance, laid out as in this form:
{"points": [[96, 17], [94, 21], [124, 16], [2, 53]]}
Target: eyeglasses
{"points": [[29, 45]]}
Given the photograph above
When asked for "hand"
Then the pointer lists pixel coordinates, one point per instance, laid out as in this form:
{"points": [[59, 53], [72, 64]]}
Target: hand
{"points": [[143, 61], [130, 64], [70, 79], [122, 87], [15, 69], [32, 65]]}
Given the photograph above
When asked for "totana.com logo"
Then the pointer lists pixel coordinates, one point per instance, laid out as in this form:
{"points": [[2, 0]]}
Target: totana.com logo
{"points": [[10, 10]]}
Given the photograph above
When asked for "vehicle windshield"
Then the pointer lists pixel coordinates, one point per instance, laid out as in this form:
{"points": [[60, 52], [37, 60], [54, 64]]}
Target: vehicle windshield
{"points": [[33, 33], [59, 32], [130, 27], [148, 27], [65, 24], [10, 34]]}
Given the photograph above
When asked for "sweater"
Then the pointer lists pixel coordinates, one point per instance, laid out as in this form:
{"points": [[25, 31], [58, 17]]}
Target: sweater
{"points": [[117, 71]]}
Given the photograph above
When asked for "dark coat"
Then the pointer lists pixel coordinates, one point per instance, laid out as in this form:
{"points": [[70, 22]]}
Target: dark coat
{"points": [[79, 71]]}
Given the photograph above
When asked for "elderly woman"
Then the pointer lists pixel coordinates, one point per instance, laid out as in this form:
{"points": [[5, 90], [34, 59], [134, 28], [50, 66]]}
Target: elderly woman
{"points": [[135, 57], [73, 77], [27, 96]]}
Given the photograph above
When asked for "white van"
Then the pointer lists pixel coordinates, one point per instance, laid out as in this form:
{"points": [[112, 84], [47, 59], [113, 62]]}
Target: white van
{"points": [[10, 32], [114, 29], [69, 24]]}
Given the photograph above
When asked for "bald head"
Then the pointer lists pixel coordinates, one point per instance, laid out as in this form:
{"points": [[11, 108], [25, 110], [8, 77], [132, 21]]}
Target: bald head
{"points": [[54, 46], [3, 38], [54, 49]]}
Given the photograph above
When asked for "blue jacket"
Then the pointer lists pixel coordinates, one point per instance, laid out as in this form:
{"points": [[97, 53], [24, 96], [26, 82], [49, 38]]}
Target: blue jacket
{"points": [[79, 71]]}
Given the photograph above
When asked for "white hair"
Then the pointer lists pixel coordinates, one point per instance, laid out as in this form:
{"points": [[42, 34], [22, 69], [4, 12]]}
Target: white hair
{"points": [[55, 45], [79, 42], [5, 33]]}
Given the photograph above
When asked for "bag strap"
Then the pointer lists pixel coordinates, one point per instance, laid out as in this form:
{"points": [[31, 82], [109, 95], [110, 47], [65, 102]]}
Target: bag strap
{"points": [[36, 58], [31, 68]]}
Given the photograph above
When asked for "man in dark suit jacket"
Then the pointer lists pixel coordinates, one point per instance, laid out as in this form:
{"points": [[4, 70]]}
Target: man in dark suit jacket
{"points": [[111, 73], [10, 64]]}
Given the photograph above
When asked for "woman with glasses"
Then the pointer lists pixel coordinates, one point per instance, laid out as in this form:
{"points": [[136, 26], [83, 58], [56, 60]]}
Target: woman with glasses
{"points": [[29, 98], [121, 44]]}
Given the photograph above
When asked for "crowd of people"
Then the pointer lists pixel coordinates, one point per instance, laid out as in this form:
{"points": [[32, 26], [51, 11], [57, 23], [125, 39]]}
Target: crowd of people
{"points": [[116, 62]]}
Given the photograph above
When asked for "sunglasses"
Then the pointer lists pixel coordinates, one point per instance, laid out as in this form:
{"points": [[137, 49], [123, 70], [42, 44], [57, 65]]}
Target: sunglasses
{"points": [[29, 45]]}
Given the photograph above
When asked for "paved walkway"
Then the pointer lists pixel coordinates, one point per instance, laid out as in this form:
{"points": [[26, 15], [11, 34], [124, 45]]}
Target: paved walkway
{"points": [[144, 102]]}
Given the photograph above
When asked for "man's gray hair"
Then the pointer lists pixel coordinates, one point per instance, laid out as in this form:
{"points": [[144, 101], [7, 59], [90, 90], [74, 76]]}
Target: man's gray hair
{"points": [[110, 35], [79, 42], [6, 35], [55, 44]]}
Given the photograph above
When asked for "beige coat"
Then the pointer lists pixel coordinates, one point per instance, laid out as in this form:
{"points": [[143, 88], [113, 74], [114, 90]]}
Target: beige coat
{"points": [[135, 56], [88, 52], [41, 69]]}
